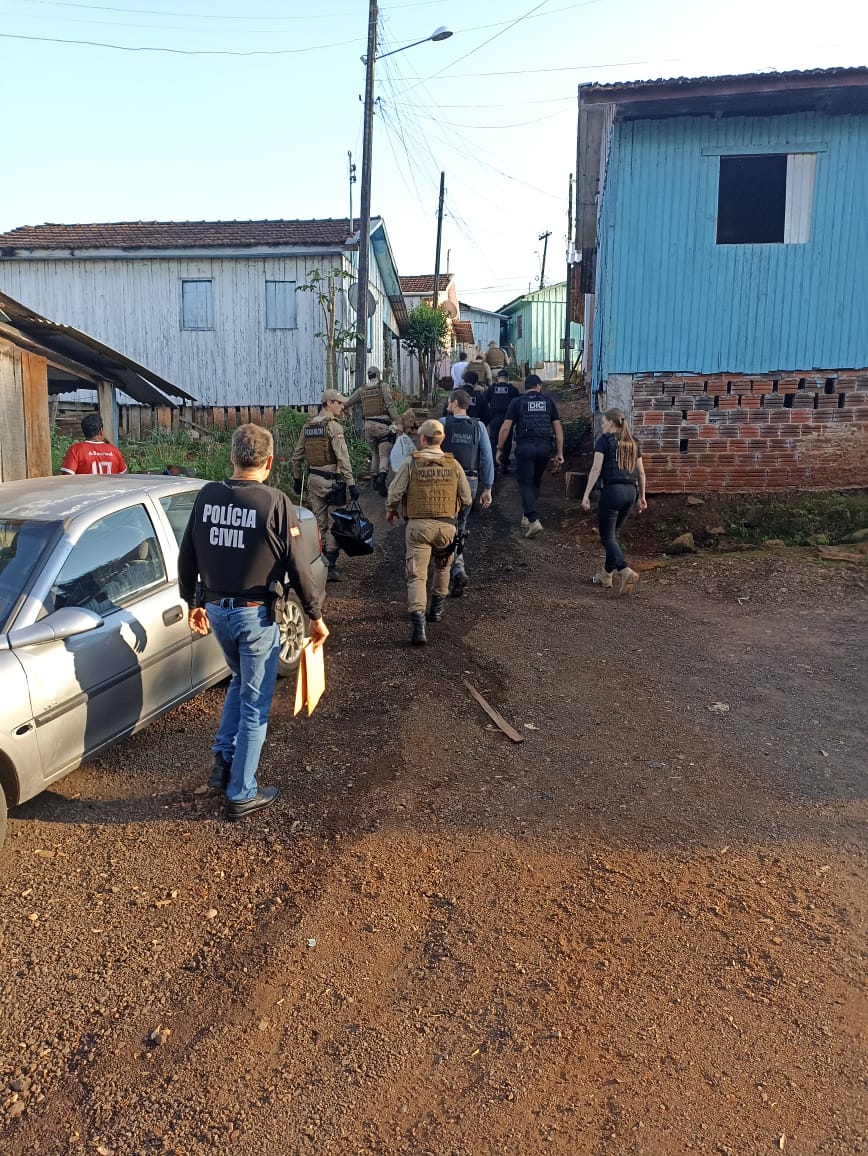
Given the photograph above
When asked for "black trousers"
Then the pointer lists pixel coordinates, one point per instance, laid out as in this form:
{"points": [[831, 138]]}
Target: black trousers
{"points": [[494, 433], [616, 502], [531, 459]]}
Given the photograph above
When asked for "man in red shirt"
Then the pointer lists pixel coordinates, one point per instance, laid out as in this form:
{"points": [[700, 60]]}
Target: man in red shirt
{"points": [[95, 455]]}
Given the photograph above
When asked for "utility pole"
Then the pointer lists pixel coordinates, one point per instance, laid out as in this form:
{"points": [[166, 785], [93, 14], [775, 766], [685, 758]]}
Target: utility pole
{"points": [[436, 280], [439, 236], [365, 212], [352, 173], [568, 357], [544, 237]]}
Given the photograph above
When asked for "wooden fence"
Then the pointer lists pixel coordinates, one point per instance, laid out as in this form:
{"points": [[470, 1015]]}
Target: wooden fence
{"points": [[136, 422]]}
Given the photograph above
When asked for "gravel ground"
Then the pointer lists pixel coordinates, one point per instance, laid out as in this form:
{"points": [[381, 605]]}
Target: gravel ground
{"points": [[642, 930]]}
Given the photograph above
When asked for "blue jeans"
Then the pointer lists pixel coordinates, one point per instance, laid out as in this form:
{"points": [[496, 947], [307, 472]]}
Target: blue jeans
{"points": [[461, 529], [616, 502], [251, 646]]}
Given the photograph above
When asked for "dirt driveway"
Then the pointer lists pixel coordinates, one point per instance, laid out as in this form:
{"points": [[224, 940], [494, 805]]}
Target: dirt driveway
{"points": [[642, 930]]}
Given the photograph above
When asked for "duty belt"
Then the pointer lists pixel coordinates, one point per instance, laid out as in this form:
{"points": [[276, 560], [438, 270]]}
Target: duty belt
{"points": [[322, 473], [232, 603]]}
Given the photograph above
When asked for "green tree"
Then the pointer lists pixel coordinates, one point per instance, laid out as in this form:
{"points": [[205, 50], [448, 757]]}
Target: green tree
{"points": [[334, 337], [426, 335]]}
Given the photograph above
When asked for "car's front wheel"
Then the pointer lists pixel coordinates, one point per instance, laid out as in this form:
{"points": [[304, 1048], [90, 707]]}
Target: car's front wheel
{"points": [[292, 635]]}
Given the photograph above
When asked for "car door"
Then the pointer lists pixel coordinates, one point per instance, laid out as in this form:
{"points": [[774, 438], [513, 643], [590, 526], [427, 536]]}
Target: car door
{"points": [[95, 688], [207, 661]]}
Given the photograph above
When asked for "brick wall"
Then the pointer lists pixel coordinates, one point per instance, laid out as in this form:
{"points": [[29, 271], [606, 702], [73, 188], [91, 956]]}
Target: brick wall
{"points": [[768, 432]]}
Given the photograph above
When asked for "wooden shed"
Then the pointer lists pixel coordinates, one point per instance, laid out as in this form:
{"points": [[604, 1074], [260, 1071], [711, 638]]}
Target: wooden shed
{"points": [[39, 358]]}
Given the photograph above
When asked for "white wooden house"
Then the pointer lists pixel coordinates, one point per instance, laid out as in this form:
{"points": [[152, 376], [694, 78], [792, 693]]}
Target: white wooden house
{"points": [[210, 305]]}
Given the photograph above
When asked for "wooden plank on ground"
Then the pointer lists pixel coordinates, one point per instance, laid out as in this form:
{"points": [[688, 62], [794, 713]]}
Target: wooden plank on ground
{"points": [[37, 428], [494, 715]]}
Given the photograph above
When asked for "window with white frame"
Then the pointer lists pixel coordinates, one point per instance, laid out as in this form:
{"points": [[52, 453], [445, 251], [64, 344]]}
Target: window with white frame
{"points": [[197, 304], [766, 199], [280, 305]]}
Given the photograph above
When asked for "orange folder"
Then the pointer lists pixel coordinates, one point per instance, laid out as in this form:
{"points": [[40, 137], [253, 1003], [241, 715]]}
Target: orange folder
{"points": [[310, 681]]}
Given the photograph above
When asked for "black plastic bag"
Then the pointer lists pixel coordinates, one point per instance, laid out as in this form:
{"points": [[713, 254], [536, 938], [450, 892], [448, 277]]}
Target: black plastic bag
{"points": [[352, 531]]}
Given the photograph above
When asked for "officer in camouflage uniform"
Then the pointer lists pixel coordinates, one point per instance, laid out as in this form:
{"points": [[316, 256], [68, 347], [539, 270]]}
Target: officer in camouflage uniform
{"points": [[381, 421], [322, 445], [429, 489]]}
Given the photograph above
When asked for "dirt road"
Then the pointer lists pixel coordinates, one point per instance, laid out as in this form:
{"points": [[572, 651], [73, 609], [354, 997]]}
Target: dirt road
{"points": [[642, 930]]}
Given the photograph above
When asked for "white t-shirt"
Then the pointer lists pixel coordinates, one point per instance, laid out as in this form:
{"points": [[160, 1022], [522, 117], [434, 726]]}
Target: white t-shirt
{"points": [[458, 370]]}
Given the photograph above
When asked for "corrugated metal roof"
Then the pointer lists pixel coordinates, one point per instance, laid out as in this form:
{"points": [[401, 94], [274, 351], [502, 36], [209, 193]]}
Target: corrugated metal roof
{"points": [[67, 342], [176, 235], [757, 79], [424, 283]]}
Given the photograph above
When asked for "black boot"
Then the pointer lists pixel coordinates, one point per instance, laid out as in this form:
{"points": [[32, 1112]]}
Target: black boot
{"points": [[419, 637], [380, 484], [334, 575], [438, 608]]}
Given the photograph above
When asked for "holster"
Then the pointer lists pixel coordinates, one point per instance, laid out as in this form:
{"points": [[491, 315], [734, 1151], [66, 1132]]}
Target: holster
{"points": [[441, 557], [277, 602]]}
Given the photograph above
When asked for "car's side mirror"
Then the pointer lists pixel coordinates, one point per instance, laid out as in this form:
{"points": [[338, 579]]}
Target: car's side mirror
{"points": [[65, 623]]}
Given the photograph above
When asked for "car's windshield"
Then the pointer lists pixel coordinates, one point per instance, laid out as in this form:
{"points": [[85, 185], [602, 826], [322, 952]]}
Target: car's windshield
{"points": [[21, 546]]}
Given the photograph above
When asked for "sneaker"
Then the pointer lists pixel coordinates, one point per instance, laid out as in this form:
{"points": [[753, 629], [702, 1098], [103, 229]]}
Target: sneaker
{"points": [[627, 580], [262, 799], [524, 523], [533, 529], [603, 579], [219, 780]]}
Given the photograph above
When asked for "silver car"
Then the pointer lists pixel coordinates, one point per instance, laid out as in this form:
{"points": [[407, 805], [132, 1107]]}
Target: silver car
{"points": [[94, 641]]}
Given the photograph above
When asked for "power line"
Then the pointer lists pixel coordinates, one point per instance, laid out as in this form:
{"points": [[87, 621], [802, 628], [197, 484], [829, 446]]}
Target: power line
{"points": [[190, 15], [180, 51]]}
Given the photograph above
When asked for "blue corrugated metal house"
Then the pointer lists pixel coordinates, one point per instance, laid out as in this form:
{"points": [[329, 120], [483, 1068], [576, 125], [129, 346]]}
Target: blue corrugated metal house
{"points": [[536, 328], [724, 260]]}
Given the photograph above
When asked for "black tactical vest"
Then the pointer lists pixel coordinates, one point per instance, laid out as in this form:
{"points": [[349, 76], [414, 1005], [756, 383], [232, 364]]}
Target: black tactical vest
{"points": [[612, 474], [533, 417], [462, 441], [501, 396]]}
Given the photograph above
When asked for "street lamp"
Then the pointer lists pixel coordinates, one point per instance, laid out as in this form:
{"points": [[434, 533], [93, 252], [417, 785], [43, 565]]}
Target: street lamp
{"points": [[365, 209]]}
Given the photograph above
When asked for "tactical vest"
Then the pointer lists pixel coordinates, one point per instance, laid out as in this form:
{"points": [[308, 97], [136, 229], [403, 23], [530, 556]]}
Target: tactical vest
{"points": [[432, 491], [501, 396], [317, 444], [462, 441], [496, 358], [613, 475], [479, 368], [372, 401], [533, 420]]}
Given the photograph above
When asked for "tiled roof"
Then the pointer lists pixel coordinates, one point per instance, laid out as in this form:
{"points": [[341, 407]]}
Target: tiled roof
{"points": [[423, 283], [177, 234], [462, 331]]}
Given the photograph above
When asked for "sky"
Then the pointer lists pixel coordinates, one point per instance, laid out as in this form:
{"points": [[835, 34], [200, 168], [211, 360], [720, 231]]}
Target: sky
{"points": [[214, 110]]}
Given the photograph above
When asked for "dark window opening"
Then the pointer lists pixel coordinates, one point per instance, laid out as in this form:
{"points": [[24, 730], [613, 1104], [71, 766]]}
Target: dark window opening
{"points": [[801, 383], [682, 446], [684, 415], [751, 200], [816, 401], [774, 387], [729, 388], [762, 401], [841, 399], [789, 398], [717, 403], [830, 385]]}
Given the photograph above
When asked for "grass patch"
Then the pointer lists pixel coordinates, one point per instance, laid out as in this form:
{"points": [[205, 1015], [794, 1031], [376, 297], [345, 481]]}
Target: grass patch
{"points": [[799, 518]]}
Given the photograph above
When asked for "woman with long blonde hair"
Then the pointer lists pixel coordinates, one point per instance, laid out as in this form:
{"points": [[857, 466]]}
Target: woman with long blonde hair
{"points": [[618, 459]]}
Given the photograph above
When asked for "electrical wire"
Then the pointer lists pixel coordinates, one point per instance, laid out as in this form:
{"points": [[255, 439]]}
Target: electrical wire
{"points": [[180, 51], [191, 15]]}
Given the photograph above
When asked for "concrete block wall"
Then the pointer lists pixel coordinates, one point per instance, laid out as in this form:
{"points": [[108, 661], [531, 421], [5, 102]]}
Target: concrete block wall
{"points": [[765, 432]]}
